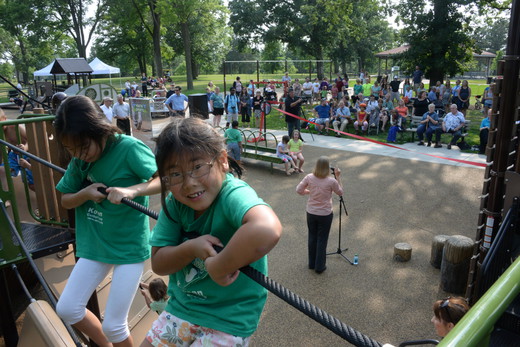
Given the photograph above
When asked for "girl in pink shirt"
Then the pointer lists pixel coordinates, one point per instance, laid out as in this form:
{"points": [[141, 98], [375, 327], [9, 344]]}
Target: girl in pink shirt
{"points": [[319, 185]]}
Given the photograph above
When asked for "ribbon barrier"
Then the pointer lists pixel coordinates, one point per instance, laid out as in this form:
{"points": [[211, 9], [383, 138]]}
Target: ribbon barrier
{"points": [[325, 319], [386, 144]]}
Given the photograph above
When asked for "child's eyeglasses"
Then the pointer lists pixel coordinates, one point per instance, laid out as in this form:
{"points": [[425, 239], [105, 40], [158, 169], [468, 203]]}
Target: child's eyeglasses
{"points": [[445, 305], [198, 171]]}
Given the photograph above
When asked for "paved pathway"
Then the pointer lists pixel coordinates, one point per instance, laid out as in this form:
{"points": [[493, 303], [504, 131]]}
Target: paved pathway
{"points": [[409, 150]]}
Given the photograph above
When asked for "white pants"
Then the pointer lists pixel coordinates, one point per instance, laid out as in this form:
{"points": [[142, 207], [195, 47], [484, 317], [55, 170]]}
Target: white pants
{"points": [[85, 277]]}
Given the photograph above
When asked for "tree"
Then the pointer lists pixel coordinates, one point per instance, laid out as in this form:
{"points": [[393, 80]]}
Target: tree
{"points": [[153, 26], [439, 37], [33, 43], [120, 41], [190, 19], [310, 27], [492, 35], [72, 15]]}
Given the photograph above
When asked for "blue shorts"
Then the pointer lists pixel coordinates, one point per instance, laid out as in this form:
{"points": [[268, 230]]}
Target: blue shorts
{"points": [[14, 164]]}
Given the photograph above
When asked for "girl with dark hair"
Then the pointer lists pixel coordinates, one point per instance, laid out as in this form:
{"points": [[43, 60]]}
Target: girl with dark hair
{"points": [[108, 235], [211, 302]]}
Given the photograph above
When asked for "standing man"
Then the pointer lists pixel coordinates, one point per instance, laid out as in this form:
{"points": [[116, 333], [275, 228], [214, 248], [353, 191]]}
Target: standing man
{"points": [[395, 90], [175, 103], [323, 113], [453, 123], [307, 89], [107, 108], [144, 84], [292, 105], [128, 88], [231, 106], [171, 91], [121, 112], [417, 78]]}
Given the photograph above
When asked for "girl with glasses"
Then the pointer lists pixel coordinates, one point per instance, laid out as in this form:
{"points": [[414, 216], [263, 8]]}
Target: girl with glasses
{"points": [[211, 302]]}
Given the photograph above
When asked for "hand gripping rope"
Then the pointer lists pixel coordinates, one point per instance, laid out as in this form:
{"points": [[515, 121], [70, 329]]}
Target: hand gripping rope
{"points": [[328, 321]]}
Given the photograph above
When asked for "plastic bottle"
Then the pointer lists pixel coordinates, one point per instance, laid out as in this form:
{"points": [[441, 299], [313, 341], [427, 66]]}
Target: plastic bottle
{"points": [[356, 259]]}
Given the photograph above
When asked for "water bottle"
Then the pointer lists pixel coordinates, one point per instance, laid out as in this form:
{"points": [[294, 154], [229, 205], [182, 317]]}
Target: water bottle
{"points": [[356, 259]]}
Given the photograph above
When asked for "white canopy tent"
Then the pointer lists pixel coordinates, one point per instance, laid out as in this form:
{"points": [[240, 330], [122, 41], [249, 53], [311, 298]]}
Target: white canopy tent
{"points": [[46, 71], [101, 68]]}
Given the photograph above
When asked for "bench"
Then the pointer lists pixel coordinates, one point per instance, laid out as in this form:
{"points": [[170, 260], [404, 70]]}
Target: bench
{"points": [[414, 123], [255, 150], [416, 120]]}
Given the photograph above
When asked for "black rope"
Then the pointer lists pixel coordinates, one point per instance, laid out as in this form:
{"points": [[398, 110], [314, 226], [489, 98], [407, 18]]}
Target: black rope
{"points": [[328, 321]]}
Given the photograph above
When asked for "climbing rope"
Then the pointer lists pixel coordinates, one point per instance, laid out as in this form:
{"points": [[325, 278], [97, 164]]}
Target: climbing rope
{"points": [[328, 321]]}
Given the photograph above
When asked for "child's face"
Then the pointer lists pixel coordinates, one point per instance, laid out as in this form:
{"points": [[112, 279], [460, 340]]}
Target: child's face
{"points": [[296, 134], [89, 151], [198, 193]]}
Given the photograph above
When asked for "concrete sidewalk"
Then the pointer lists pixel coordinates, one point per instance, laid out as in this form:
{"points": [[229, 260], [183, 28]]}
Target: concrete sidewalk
{"points": [[407, 150]]}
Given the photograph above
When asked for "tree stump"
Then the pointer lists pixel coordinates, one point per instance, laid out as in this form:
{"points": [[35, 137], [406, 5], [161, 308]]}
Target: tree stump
{"points": [[456, 257], [402, 252], [437, 248]]}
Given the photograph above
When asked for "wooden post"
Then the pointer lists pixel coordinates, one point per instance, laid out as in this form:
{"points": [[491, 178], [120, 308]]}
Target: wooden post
{"points": [[402, 252], [437, 248], [456, 257]]}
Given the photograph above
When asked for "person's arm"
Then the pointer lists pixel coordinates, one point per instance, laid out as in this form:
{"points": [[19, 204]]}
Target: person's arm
{"points": [[171, 259], [260, 231], [187, 103], [73, 200], [337, 174], [151, 187]]}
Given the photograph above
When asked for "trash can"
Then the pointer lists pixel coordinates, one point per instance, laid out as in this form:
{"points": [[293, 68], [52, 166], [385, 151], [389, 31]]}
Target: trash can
{"points": [[489, 80], [198, 105]]}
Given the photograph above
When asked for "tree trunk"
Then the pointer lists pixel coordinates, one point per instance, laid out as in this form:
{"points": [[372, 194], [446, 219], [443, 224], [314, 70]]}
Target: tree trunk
{"points": [[23, 60], [157, 45], [194, 68], [186, 39], [319, 65]]}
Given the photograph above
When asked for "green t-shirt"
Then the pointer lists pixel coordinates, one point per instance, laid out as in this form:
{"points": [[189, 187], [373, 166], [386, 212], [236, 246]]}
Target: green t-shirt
{"points": [[233, 135], [367, 89], [194, 296], [106, 232]]}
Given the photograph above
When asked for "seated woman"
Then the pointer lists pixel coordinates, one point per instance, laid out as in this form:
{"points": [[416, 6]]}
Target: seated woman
{"points": [[429, 125], [447, 313]]}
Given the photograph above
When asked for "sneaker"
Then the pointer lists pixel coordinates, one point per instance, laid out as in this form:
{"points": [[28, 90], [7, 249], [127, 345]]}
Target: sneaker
{"points": [[449, 146], [420, 144], [438, 145], [429, 144]]}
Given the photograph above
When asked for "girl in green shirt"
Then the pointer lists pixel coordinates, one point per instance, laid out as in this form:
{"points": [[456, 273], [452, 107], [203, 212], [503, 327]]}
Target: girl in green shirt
{"points": [[211, 301], [109, 236]]}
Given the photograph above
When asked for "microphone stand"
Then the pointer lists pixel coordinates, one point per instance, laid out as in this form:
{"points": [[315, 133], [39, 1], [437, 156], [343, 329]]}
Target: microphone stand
{"points": [[342, 208]]}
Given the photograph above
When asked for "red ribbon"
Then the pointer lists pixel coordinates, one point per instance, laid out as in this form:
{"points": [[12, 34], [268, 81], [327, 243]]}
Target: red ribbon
{"points": [[386, 144]]}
